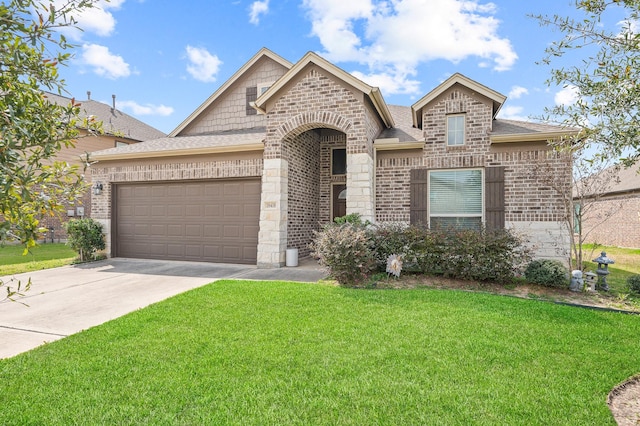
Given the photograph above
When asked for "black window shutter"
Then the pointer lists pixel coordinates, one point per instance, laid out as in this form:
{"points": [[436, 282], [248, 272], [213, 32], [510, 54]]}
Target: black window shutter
{"points": [[419, 194], [494, 197], [252, 95]]}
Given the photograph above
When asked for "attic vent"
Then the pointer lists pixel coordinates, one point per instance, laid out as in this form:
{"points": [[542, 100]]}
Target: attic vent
{"points": [[252, 95]]}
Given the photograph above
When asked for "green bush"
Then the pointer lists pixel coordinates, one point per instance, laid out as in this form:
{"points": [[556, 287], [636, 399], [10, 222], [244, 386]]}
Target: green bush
{"points": [[346, 250], [352, 251], [634, 284], [85, 237], [547, 272]]}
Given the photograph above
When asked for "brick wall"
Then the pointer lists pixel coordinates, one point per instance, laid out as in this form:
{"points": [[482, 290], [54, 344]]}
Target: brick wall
{"points": [[621, 226], [229, 112], [526, 198], [166, 171], [328, 140], [317, 101], [302, 154]]}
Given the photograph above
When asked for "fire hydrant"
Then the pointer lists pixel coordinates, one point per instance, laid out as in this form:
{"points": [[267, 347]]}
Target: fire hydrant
{"points": [[603, 270]]}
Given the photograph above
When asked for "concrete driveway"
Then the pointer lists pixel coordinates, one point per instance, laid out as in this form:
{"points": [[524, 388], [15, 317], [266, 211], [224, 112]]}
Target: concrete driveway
{"points": [[66, 300]]}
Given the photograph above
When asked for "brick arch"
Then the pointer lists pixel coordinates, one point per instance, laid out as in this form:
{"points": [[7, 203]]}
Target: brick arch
{"points": [[313, 120]]}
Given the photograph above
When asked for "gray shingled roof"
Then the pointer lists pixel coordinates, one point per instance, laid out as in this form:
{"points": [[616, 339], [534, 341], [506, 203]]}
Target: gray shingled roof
{"points": [[403, 129], [113, 121], [512, 127], [629, 179], [185, 143]]}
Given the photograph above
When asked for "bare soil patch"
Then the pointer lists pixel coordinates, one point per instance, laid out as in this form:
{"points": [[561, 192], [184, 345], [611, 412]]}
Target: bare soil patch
{"points": [[523, 290]]}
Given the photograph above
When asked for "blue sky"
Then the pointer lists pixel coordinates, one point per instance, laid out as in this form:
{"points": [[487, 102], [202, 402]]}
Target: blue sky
{"points": [[163, 58]]}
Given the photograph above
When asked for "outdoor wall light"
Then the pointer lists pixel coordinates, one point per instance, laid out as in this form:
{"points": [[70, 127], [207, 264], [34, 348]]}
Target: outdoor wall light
{"points": [[97, 188]]}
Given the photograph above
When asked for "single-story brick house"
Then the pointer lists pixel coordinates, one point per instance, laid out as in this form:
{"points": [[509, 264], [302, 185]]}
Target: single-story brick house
{"points": [[119, 129], [282, 148], [613, 218]]}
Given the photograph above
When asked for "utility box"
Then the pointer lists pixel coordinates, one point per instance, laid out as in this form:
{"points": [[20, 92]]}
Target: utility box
{"points": [[291, 257]]}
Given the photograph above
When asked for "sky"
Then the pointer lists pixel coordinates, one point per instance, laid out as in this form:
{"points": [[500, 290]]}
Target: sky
{"points": [[162, 59]]}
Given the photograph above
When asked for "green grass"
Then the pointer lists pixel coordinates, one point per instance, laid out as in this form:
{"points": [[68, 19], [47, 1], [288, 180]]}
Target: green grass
{"points": [[627, 263], [44, 256], [274, 353]]}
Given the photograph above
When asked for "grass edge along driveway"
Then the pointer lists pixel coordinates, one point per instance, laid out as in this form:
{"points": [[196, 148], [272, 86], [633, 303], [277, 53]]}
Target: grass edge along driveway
{"points": [[247, 352]]}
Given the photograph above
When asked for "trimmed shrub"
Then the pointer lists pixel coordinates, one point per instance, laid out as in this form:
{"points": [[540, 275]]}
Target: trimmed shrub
{"points": [[634, 284], [347, 251], [547, 272], [85, 237]]}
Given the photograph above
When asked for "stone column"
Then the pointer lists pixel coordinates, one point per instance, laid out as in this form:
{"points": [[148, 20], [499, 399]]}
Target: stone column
{"points": [[360, 190], [272, 237]]}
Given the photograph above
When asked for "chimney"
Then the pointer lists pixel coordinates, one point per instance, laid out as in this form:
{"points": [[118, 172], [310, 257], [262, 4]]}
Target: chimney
{"points": [[88, 95], [114, 102]]}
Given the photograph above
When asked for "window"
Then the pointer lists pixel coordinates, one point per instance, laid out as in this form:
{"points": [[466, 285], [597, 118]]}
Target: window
{"points": [[577, 217], [120, 143], [339, 161], [251, 96], [263, 87], [456, 199], [455, 130]]}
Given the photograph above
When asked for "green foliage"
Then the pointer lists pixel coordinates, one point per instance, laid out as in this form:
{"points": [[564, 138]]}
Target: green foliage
{"points": [[634, 284], [353, 218], [604, 81], [352, 252], [33, 130], [547, 272], [275, 353], [347, 251], [43, 256], [85, 237]]}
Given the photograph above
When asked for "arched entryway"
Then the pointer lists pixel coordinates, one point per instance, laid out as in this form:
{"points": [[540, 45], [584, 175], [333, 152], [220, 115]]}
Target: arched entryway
{"points": [[317, 178]]}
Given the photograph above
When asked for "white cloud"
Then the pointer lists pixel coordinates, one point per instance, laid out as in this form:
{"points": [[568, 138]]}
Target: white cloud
{"points": [[104, 62], [256, 9], [203, 65], [567, 96], [97, 19], [404, 33], [517, 92], [146, 109], [512, 113], [389, 83]]}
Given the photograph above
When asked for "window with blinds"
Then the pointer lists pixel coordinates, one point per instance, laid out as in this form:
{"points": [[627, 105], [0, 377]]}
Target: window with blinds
{"points": [[456, 199]]}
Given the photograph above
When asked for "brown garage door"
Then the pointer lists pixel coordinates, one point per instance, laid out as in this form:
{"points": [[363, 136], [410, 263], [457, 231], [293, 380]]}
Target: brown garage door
{"points": [[209, 221]]}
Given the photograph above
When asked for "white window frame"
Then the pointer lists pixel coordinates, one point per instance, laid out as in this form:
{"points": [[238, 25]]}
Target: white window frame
{"points": [[460, 132], [263, 87], [482, 195]]}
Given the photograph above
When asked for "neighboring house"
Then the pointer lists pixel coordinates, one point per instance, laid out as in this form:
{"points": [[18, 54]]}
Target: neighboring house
{"points": [[119, 129], [613, 218], [280, 149]]}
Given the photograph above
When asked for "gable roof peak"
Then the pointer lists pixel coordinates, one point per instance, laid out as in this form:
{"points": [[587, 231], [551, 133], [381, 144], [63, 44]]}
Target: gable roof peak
{"points": [[311, 57], [457, 78], [262, 53]]}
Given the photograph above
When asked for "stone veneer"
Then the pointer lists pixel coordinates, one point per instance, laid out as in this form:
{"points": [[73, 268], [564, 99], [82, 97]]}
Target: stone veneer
{"points": [[315, 101]]}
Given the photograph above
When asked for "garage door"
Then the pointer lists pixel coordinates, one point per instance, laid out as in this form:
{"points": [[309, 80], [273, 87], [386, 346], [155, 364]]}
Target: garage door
{"points": [[209, 221]]}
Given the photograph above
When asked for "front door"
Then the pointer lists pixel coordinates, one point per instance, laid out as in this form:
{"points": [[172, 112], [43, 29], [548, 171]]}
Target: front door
{"points": [[339, 200]]}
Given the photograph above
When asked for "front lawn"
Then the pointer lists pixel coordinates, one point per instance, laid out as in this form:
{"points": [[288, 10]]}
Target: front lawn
{"points": [[44, 256], [272, 353]]}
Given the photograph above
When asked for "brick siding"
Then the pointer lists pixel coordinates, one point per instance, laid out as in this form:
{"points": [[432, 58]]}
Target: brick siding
{"points": [[167, 171], [525, 199], [621, 226], [302, 154]]}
